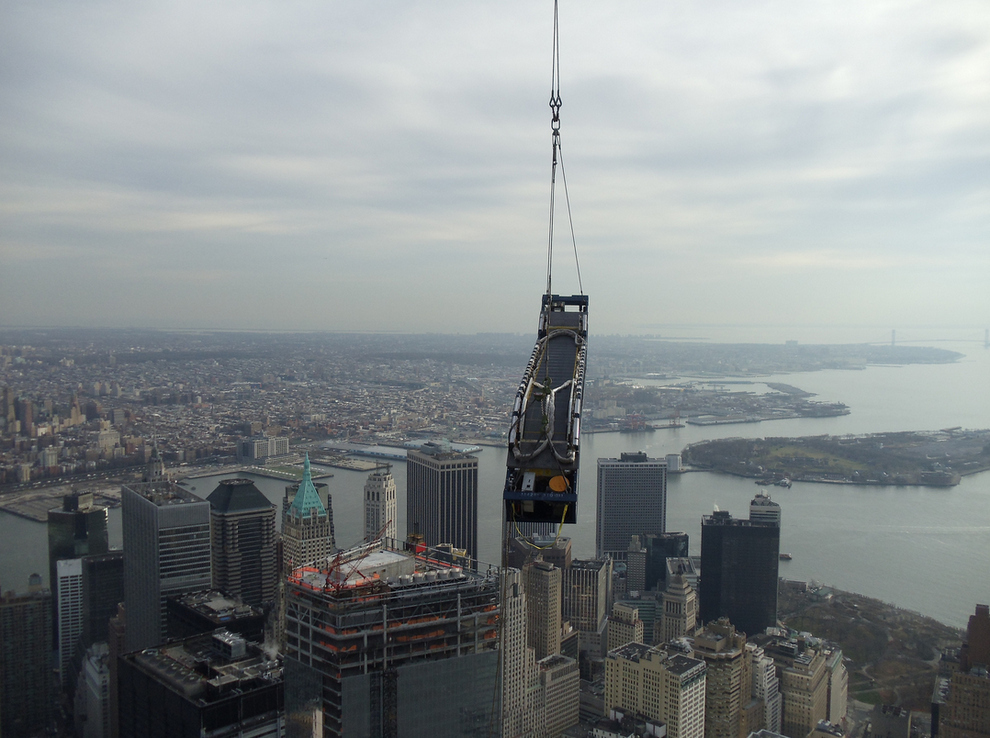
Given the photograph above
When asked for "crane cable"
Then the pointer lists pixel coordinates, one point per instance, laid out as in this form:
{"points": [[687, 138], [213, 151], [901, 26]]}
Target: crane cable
{"points": [[558, 155]]}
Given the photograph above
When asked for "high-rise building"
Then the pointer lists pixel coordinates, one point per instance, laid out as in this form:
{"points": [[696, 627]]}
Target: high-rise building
{"points": [[307, 526], [766, 686], [542, 581], [739, 564], [117, 646], [25, 660], [803, 684], [166, 552], [728, 683], [262, 447], [391, 641], [523, 713], [632, 500], [585, 594], [838, 685], [92, 703], [380, 512], [586, 591], [658, 684], [560, 682], [624, 625], [215, 684], [659, 549], [679, 602], [764, 510], [243, 545], [965, 712], [442, 497], [78, 528], [69, 575], [103, 591]]}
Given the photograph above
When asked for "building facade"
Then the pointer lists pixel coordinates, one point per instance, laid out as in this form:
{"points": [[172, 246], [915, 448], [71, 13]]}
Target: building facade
{"points": [[78, 528], [965, 711], [392, 641], [210, 685], [542, 581], [166, 552], [442, 497], [679, 602], [25, 660], [380, 511], [728, 682], [658, 684], [739, 565], [243, 542], [632, 500], [70, 615]]}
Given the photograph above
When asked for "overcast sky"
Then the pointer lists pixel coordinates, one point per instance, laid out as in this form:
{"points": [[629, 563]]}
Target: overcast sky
{"points": [[385, 165]]}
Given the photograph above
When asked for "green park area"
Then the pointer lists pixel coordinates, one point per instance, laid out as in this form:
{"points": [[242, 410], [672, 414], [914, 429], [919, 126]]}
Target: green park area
{"points": [[931, 458]]}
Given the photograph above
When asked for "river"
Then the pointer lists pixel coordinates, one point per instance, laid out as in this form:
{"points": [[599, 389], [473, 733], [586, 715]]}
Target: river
{"points": [[925, 549]]}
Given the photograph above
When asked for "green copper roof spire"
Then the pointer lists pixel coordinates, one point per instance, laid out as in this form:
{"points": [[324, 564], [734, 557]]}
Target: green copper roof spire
{"points": [[307, 498]]}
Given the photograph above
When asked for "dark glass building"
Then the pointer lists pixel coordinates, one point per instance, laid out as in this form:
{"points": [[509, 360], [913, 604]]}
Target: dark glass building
{"points": [[77, 529], [103, 590], [215, 684], [243, 541], [659, 548], [25, 660], [739, 561]]}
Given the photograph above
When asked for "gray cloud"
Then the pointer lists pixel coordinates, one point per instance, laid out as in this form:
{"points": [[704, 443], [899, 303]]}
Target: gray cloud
{"points": [[385, 165]]}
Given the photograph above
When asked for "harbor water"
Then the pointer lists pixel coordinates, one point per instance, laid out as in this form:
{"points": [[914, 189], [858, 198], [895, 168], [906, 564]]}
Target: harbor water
{"points": [[925, 549]]}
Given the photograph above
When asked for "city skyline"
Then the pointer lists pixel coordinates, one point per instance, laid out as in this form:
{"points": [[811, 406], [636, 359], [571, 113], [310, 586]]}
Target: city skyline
{"points": [[763, 161]]}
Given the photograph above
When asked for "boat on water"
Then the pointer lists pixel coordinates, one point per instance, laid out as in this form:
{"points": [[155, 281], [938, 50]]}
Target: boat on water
{"points": [[785, 557]]}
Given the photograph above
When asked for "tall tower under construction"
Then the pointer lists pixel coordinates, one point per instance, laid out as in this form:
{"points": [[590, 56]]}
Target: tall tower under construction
{"points": [[388, 640]]}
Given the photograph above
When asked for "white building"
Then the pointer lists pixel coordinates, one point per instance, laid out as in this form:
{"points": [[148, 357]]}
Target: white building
{"points": [[380, 510], [70, 613], [766, 687]]}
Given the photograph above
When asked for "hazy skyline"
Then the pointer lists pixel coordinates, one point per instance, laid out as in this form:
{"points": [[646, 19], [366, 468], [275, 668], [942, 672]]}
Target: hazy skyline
{"points": [[385, 165]]}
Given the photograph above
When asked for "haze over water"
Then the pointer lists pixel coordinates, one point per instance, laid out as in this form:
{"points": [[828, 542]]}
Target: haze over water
{"points": [[921, 548]]}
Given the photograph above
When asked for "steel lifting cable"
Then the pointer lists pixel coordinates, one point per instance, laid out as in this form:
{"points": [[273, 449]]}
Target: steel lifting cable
{"points": [[558, 155]]}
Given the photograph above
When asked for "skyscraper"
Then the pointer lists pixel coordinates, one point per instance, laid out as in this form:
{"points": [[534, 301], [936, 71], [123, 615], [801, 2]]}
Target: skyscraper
{"points": [[25, 660], [69, 575], [103, 591], [739, 563], [76, 529], [379, 505], [728, 681], [243, 545], [385, 642], [632, 500], [166, 552], [764, 510], [966, 708], [442, 497], [660, 685], [307, 527], [679, 601], [542, 582]]}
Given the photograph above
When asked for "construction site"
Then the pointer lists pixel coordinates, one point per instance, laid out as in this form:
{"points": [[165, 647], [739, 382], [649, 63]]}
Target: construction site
{"points": [[386, 631]]}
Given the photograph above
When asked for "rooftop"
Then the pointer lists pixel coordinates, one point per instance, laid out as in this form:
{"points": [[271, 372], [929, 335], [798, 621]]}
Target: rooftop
{"points": [[163, 493], [238, 495], [196, 669]]}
